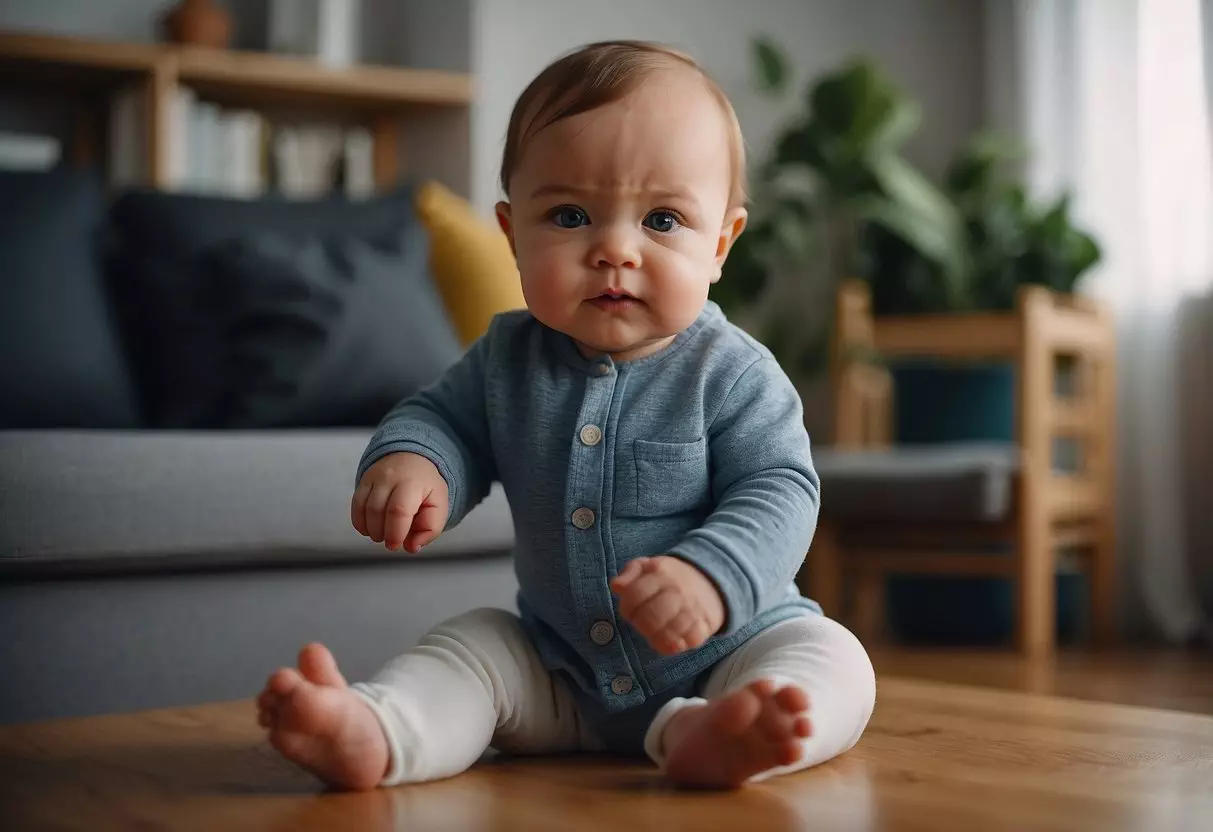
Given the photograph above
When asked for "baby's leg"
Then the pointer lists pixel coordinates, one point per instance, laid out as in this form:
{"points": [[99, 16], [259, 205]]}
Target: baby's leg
{"points": [[473, 682], [795, 695], [430, 713]]}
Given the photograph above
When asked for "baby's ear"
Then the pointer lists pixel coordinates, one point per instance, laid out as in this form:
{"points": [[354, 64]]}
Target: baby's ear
{"points": [[730, 230], [505, 221]]}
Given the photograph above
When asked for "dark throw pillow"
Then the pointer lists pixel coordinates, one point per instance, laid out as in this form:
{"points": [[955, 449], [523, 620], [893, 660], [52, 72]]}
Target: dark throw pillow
{"points": [[325, 332], [63, 363], [162, 287]]}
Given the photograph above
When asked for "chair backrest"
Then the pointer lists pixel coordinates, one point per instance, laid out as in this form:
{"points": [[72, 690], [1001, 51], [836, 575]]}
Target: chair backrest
{"points": [[862, 389]]}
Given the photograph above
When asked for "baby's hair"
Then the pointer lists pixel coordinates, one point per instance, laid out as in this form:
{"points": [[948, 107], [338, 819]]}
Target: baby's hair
{"points": [[599, 74]]}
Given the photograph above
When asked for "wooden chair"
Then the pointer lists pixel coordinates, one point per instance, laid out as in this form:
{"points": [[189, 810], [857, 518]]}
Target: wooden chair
{"points": [[1048, 510]]}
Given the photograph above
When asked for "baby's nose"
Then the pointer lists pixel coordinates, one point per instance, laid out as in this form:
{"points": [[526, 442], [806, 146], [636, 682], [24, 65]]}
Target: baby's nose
{"points": [[616, 248]]}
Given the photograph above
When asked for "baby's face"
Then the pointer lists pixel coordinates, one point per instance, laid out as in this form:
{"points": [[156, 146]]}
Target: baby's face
{"points": [[620, 217]]}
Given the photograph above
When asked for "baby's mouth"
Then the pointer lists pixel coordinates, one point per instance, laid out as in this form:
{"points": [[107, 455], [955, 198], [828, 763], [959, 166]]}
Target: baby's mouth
{"points": [[614, 300]]}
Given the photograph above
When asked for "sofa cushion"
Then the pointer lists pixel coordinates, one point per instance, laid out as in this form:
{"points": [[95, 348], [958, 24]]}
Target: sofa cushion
{"points": [[330, 331], [117, 500], [929, 483], [63, 361], [471, 260], [161, 283]]}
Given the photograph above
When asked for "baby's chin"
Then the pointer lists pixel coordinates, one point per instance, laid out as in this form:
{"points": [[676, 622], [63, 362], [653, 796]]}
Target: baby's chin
{"points": [[620, 347]]}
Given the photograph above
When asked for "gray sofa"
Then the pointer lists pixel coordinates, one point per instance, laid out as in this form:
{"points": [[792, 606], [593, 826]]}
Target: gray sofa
{"points": [[188, 384], [151, 569]]}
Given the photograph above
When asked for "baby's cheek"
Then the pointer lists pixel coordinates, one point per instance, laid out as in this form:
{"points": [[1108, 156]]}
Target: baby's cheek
{"points": [[549, 285], [685, 283]]}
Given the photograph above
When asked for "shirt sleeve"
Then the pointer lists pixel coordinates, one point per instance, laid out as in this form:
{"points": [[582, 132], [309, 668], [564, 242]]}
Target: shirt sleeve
{"points": [[766, 493], [447, 423]]}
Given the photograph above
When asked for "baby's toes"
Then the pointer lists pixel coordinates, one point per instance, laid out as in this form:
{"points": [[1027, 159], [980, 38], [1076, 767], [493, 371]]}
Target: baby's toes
{"points": [[774, 724], [284, 681], [792, 699]]}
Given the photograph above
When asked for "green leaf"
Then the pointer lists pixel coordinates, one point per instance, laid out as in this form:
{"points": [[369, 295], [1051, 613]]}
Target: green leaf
{"points": [[974, 171], [920, 214], [771, 65], [901, 121]]}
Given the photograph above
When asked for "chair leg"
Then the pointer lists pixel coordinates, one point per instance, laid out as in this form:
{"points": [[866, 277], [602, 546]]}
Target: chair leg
{"points": [[1036, 620], [1102, 573], [870, 605], [821, 579]]}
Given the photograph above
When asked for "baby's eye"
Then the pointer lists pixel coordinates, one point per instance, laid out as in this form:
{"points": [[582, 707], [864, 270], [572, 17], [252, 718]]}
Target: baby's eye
{"points": [[570, 216], [663, 221]]}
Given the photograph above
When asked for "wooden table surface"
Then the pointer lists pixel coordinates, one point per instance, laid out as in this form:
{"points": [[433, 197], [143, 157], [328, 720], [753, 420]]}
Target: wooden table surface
{"points": [[935, 757]]}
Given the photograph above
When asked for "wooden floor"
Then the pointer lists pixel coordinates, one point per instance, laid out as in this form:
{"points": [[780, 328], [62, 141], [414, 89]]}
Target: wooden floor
{"points": [[935, 757], [1155, 677]]}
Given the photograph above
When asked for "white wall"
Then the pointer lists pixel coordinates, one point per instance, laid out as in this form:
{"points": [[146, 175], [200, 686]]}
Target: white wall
{"points": [[933, 48]]}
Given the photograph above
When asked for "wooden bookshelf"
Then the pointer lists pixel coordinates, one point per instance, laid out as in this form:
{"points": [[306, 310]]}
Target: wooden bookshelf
{"points": [[259, 77], [378, 96]]}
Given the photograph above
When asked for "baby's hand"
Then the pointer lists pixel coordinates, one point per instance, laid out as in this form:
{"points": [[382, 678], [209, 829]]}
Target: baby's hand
{"points": [[402, 500], [673, 605]]}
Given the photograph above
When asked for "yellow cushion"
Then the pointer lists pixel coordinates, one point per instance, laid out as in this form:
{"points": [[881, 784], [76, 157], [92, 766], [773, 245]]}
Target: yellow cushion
{"points": [[470, 259]]}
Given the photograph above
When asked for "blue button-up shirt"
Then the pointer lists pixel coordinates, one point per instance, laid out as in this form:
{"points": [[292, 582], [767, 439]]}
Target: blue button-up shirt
{"points": [[698, 451]]}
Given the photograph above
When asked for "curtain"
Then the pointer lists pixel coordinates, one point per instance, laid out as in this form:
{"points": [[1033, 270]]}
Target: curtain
{"points": [[1111, 98]]}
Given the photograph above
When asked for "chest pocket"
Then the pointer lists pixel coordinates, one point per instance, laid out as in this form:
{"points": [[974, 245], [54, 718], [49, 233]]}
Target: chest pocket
{"points": [[668, 478]]}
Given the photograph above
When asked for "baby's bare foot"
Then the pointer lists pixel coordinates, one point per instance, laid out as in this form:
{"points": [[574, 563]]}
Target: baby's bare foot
{"points": [[317, 722], [730, 739]]}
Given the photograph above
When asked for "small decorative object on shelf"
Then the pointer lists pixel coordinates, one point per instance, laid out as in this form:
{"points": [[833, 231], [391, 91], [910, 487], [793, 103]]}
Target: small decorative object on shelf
{"points": [[325, 30], [199, 23]]}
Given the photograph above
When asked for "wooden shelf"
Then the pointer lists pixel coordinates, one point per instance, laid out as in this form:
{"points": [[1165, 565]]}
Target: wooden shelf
{"points": [[250, 77], [72, 63], [257, 76], [43, 50]]}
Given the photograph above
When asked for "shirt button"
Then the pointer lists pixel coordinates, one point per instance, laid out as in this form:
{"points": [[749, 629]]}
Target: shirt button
{"points": [[602, 370], [621, 685], [601, 633], [583, 518], [591, 435]]}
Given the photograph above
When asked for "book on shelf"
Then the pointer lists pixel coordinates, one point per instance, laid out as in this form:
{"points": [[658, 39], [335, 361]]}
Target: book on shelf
{"points": [[239, 153]]}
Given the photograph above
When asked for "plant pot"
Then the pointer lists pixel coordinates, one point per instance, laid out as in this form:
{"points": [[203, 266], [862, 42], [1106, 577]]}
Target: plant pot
{"points": [[198, 23], [946, 402]]}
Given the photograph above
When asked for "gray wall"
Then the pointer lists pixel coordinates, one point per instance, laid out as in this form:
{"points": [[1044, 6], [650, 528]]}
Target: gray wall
{"points": [[934, 48]]}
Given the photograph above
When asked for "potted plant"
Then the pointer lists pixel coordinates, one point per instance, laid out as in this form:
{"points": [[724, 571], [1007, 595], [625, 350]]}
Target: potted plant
{"points": [[834, 172], [1010, 242]]}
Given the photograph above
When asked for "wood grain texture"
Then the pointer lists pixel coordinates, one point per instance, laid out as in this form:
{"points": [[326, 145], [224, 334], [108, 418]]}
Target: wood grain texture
{"points": [[935, 757]]}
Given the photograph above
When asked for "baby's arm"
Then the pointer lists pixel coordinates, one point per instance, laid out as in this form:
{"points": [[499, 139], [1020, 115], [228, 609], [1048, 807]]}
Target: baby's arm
{"points": [[767, 495], [447, 424]]}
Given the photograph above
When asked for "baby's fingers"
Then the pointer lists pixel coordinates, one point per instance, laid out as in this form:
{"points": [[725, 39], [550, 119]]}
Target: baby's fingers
{"points": [[358, 509], [399, 513], [427, 525], [376, 504], [653, 618], [633, 570]]}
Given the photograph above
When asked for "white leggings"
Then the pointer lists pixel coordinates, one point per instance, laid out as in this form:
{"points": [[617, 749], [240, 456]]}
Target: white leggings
{"points": [[476, 682]]}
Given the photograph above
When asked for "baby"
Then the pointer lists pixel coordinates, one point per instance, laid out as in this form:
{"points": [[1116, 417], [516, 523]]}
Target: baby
{"points": [[656, 462]]}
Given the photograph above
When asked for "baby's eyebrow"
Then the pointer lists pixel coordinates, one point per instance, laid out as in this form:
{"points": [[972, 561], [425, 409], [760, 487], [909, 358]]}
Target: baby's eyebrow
{"points": [[658, 194]]}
